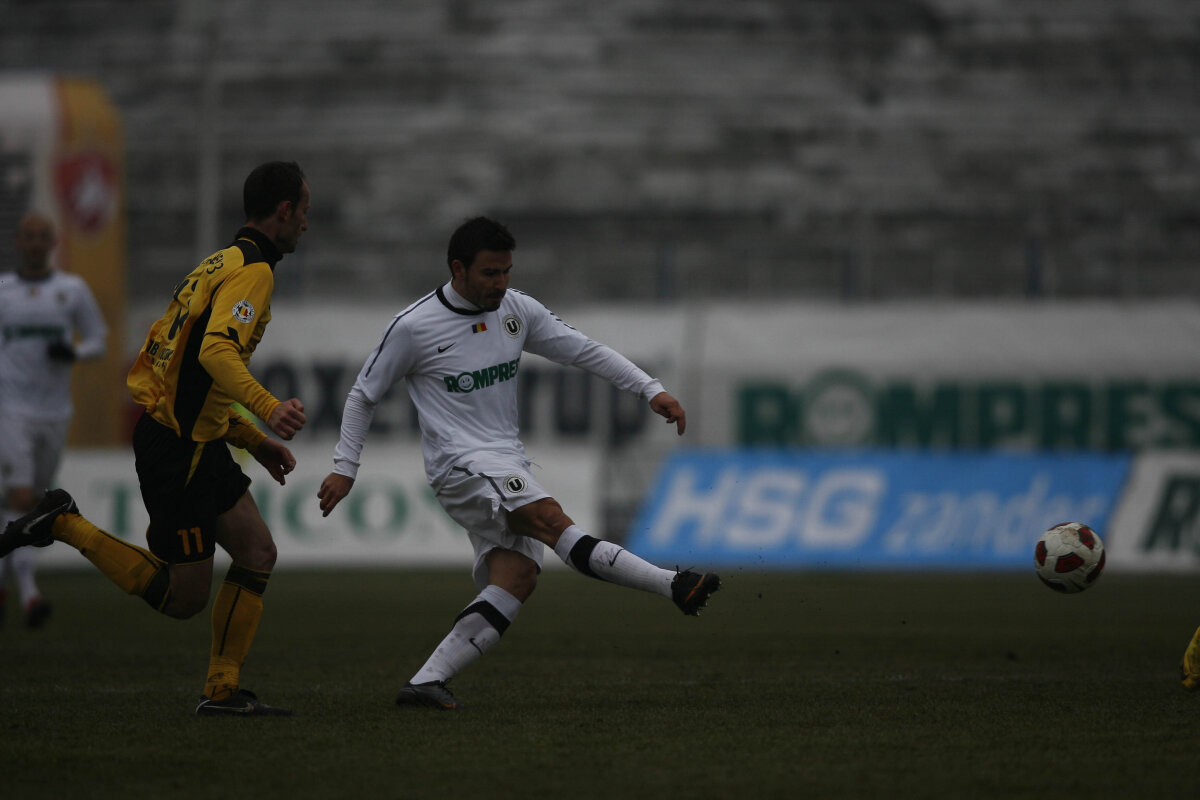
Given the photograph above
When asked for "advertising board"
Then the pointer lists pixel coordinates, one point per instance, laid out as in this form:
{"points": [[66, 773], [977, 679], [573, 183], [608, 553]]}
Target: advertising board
{"points": [[878, 509]]}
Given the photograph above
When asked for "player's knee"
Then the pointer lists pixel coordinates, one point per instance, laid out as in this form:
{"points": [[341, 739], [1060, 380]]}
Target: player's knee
{"points": [[515, 573], [263, 556], [543, 520], [184, 604], [524, 581], [184, 591], [259, 555], [554, 519]]}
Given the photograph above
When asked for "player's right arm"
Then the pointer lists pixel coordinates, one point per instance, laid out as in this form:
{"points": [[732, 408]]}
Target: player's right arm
{"points": [[391, 360], [287, 418], [356, 421]]}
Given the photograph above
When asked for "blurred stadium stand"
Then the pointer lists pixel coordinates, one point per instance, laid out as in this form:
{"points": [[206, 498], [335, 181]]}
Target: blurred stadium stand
{"points": [[663, 150]]}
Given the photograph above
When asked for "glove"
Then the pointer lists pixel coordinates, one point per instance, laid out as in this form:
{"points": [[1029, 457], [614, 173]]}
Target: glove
{"points": [[61, 352]]}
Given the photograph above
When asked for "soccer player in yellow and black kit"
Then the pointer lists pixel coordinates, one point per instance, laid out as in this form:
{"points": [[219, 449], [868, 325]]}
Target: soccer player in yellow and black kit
{"points": [[192, 368]]}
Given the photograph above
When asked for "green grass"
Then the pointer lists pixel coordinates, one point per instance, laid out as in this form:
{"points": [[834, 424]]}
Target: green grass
{"points": [[790, 685]]}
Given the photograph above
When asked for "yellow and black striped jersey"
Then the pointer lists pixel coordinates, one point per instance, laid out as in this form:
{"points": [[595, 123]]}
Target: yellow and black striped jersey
{"points": [[194, 364]]}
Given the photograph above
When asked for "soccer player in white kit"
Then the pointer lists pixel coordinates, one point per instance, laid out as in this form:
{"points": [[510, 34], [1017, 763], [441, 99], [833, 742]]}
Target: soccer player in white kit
{"points": [[459, 350], [48, 320]]}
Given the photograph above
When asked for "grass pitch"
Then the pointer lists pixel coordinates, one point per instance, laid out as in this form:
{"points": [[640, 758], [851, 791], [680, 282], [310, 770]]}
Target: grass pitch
{"points": [[790, 685]]}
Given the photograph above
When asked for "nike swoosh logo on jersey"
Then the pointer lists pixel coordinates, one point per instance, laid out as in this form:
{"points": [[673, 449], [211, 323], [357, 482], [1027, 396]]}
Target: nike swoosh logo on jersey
{"points": [[616, 555], [447, 347], [477, 647]]}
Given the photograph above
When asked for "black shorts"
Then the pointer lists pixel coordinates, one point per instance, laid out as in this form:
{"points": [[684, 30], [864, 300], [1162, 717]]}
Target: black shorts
{"points": [[185, 485]]}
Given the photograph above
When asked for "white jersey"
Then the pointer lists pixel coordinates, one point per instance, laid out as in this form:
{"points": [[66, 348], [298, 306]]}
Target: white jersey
{"points": [[34, 313], [460, 364]]}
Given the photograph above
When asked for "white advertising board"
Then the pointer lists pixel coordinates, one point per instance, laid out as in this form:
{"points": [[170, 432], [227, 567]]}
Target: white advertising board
{"points": [[1157, 523], [390, 519], [1086, 375]]}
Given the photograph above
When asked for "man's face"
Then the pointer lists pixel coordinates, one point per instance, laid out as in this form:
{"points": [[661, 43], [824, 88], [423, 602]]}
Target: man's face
{"points": [[34, 240], [296, 224], [485, 281]]}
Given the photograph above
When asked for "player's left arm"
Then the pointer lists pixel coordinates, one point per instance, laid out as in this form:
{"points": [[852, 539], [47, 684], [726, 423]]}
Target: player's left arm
{"points": [[551, 337], [89, 322], [87, 340], [275, 457], [600, 359], [236, 307], [667, 406]]}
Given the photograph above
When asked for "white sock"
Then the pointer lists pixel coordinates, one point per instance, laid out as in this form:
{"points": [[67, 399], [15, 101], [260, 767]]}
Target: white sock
{"points": [[21, 562], [477, 629], [611, 562]]}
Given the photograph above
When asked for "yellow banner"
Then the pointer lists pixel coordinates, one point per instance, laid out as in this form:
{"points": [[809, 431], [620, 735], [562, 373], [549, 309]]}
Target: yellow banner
{"points": [[88, 174]]}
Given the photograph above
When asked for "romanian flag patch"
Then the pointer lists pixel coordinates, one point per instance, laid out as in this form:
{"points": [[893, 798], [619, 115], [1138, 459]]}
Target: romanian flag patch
{"points": [[479, 327]]}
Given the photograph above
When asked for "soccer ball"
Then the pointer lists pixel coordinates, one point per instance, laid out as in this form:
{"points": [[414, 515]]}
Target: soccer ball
{"points": [[1069, 557]]}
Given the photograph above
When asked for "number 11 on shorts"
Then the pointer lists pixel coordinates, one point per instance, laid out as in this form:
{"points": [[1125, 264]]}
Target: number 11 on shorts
{"points": [[187, 545]]}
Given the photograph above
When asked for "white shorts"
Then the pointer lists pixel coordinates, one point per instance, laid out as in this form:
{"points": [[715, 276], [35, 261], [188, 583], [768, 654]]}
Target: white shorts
{"points": [[478, 494], [30, 451]]}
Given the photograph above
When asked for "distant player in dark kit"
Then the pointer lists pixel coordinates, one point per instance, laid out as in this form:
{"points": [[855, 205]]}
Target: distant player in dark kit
{"points": [[191, 370], [459, 349]]}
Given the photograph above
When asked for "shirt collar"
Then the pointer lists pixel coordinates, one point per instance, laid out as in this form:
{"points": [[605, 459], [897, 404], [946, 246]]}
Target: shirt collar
{"points": [[270, 253], [456, 302], [36, 278]]}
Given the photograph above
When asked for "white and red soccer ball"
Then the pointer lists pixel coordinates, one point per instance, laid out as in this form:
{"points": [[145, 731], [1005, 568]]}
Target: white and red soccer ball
{"points": [[1069, 557]]}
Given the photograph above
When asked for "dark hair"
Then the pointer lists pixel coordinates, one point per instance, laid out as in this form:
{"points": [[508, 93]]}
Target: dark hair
{"points": [[478, 234], [269, 185]]}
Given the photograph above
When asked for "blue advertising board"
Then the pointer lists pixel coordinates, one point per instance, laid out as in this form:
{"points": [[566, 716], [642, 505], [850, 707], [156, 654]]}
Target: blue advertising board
{"points": [[878, 510]]}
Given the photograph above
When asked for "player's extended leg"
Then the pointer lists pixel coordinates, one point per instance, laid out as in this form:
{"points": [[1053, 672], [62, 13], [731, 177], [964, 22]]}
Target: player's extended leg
{"points": [[24, 568], [237, 609], [21, 564], [49, 440], [545, 521], [56, 517], [5, 568], [6, 562], [511, 579]]}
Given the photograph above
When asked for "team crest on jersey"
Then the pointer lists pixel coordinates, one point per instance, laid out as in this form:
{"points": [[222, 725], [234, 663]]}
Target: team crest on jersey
{"points": [[515, 484], [512, 325], [243, 311]]}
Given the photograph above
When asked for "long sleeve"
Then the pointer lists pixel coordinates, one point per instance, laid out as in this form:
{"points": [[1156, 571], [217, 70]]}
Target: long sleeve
{"points": [[602, 360], [356, 421], [240, 310], [89, 323], [242, 433], [222, 359]]}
